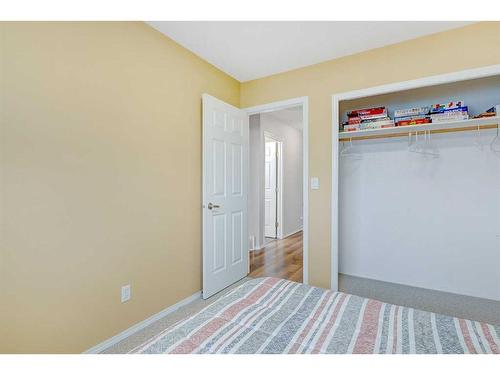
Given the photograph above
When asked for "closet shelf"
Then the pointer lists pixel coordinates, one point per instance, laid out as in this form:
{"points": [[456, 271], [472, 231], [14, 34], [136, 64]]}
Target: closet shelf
{"points": [[441, 127]]}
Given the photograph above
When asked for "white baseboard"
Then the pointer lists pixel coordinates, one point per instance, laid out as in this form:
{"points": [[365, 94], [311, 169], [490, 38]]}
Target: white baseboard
{"points": [[137, 327], [258, 247], [292, 233]]}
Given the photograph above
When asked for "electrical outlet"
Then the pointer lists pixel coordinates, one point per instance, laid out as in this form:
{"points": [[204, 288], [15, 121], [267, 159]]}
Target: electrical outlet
{"points": [[126, 293], [314, 183]]}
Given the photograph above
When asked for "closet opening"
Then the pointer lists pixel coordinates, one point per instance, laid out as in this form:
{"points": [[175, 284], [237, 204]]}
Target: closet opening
{"points": [[415, 198]]}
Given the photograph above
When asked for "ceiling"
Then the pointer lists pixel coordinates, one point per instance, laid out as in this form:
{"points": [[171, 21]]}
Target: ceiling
{"points": [[250, 50], [289, 116]]}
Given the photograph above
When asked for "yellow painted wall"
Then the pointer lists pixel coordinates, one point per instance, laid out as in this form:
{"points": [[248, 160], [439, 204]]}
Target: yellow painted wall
{"points": [[100, 167], [468, 47]]}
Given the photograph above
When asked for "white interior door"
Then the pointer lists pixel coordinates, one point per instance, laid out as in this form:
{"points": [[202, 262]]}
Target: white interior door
{"points": [[225, 181], [270, 189]]}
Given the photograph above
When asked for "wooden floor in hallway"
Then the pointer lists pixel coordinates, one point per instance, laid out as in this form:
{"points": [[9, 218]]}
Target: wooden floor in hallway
{"points": [[279, 258]]}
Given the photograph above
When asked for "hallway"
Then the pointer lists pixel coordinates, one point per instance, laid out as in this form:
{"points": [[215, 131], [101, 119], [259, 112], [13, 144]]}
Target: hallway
{"points": [[279, 258]]}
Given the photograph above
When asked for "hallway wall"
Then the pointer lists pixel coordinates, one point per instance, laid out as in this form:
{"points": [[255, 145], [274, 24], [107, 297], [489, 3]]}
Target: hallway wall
{"points": [[292, 175]]}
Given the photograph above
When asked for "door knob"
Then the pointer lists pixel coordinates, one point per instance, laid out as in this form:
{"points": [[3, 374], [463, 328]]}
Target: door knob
{"points": [[212, 206]]}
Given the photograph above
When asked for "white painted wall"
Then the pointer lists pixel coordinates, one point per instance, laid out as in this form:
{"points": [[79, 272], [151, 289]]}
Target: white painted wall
{"points": [[430, 223], [291, 137]]}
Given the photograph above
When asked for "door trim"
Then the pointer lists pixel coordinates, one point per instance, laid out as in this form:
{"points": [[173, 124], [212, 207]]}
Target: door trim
{"points": [[283, 104]]}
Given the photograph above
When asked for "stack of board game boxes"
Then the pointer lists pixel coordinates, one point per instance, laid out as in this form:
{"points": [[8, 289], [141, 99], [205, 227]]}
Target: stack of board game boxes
{"points": [[368, 118], [452, 111], [377, 117], [441, 112], [412, 116], [491, 112]]}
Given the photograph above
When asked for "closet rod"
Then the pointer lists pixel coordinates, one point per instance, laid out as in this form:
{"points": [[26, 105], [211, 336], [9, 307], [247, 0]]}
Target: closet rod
{"points": [[405, 133]]}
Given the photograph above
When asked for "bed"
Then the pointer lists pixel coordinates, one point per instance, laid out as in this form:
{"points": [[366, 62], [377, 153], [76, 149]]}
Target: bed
{"points": [[270, 315]]}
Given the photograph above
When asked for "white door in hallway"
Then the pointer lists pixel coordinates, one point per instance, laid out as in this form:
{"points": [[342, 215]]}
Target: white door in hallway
{"points": [[225, 181], [270, 188]]}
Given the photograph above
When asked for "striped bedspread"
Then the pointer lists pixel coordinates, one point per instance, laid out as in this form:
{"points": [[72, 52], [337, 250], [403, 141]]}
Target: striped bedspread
{"points": [[270, 315]]}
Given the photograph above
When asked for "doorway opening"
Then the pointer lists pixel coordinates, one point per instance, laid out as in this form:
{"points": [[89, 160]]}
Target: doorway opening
{"points": [[277, 209], [273, 168]]}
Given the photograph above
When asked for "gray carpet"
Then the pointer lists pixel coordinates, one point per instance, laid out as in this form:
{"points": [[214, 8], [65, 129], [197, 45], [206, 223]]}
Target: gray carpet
{"points": [[479, 309]]}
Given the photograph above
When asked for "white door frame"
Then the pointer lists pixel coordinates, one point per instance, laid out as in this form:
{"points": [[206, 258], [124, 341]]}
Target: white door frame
{"points": [[276, 106], [279, 174], [462, 75]]}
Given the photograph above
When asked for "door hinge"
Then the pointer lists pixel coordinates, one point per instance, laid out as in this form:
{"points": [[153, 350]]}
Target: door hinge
{"points": [[277, 224]]}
